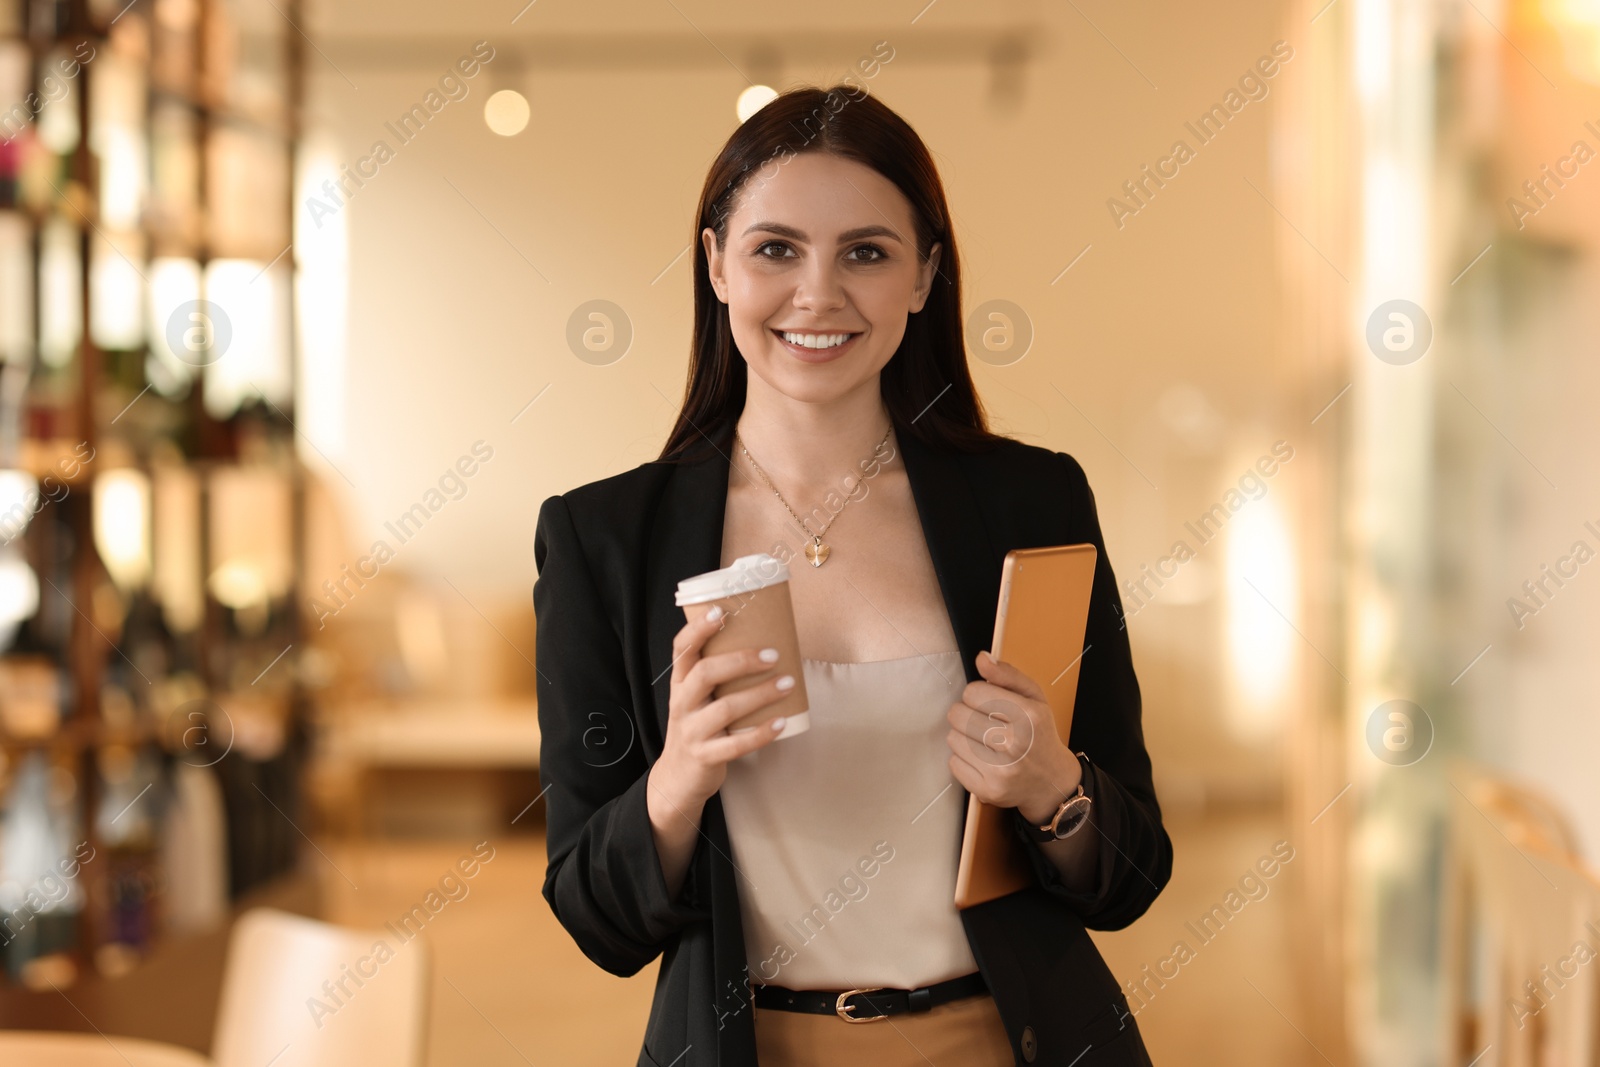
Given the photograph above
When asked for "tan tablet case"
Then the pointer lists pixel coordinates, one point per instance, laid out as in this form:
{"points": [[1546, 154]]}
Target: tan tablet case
{"points": [[1039, 627]]}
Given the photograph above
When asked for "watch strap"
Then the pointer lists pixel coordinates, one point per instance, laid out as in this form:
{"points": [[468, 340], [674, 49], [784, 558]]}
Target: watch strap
{"points": [[1069, 823]]}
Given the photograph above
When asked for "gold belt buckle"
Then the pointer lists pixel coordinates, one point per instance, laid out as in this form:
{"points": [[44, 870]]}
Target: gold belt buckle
{"points": [[843, 1010]]}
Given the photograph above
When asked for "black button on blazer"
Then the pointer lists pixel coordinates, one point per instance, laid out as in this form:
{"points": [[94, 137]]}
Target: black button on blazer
{"points": [[610, 555]]}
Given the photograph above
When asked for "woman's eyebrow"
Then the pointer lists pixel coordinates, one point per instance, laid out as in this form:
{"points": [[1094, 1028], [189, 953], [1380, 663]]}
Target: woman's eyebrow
{"points": [[849, 235]]}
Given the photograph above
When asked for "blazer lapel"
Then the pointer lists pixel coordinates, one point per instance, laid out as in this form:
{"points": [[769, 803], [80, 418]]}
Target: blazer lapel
{"points": [[687, 540], [963, 554]]}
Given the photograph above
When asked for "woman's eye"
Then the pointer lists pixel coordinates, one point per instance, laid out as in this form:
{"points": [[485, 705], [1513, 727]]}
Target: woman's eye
{"points": [[875, 254]]}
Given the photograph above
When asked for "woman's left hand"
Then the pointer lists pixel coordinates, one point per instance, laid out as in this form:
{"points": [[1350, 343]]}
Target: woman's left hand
{"points": [[1004, 745]]}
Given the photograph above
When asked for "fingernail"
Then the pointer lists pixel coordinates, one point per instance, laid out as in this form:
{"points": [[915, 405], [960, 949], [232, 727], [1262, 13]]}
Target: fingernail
{"points": [[769, 655], [715, 612], [786, 682], [777, 724]]}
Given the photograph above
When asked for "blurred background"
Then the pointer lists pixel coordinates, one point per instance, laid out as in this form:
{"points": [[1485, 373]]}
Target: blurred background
{"points": [[306, 306]]}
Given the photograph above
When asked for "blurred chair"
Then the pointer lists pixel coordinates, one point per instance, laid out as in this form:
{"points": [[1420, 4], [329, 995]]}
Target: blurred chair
{"points": [[301, 993], [53, 1049], [1522, 931]]}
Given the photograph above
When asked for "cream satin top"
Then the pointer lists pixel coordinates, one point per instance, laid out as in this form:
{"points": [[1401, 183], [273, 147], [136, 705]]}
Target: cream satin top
{"points": [[846, 837]]}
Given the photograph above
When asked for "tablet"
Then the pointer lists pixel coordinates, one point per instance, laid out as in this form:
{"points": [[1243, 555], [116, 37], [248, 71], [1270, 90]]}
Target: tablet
{"points": [[1038, 628]]}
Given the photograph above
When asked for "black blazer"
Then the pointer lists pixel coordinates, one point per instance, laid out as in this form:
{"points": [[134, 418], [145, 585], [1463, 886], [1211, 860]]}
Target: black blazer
{"points": [[609, 557]]}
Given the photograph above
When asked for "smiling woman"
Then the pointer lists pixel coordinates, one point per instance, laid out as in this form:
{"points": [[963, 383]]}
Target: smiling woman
{"points": [[828, 341]]}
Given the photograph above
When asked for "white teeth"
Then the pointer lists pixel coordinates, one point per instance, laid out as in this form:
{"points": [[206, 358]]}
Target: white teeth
{"points": [[817, 340]]}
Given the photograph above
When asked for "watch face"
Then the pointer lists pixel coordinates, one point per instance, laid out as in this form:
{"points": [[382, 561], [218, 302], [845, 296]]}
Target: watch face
{"points": [[1072, 816]]}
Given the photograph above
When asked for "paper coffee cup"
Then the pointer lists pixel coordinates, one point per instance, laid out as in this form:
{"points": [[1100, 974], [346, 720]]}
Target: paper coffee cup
{"points": [[754, 592]]}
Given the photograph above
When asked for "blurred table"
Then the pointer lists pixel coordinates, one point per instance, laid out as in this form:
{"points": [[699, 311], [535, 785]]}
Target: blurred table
{"points": [[437, 733], [428, 743], [41, 1049]]}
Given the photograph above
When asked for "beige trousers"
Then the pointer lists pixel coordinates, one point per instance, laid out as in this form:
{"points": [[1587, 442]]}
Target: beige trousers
{"points": [[960, 1033]]}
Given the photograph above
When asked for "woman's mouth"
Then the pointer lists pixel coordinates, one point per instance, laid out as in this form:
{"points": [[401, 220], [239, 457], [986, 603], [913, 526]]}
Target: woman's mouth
{"points": [[816, 347]]}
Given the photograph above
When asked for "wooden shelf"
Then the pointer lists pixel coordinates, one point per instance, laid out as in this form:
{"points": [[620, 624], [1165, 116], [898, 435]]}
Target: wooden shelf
{"points": [[56, 458], [73, 406], [79, 733]]}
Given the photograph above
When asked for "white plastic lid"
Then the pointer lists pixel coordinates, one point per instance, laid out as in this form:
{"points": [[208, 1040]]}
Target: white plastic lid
{"points": [[743, 575]]}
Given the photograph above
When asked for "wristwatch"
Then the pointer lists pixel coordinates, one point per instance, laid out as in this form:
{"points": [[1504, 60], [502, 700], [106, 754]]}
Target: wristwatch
{"points": [[1068, 818]]}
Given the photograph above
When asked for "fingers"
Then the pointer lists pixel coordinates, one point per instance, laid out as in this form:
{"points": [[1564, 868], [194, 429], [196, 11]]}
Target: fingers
{"points": [[740, 742], [981, 724], [970, 777], [724, 711], [698, 742], [994, 742], [707, 728], [1003, 702], [721, 667], [689, 640], [983, 708], [1009, 677]]}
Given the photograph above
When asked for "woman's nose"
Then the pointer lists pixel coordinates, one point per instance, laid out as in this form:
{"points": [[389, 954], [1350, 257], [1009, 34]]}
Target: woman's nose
{"points": [[821, 288]]}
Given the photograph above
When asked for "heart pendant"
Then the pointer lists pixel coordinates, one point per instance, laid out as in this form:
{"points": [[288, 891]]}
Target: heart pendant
{"points": [[817, 553]]}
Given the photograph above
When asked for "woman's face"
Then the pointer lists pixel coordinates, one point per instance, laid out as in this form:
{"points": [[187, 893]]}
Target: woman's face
{"points": [[819, 273]]}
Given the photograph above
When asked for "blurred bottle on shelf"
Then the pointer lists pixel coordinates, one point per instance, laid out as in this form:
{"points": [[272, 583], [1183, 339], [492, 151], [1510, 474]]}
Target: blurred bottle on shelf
{"points": [[147, 655], [49, 18], [194, 847], [36, 686], [60, 302], [41, 855], [30, 695], [29, 700], [14, 78], [127, 818], [16, 287]]}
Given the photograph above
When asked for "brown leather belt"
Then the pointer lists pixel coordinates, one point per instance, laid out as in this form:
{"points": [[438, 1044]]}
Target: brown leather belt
{"points": [[871, 1004]]}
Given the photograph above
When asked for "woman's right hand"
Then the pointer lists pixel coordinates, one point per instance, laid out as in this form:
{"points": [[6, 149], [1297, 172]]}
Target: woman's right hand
{"points": [[694, 759], [695, 755]]}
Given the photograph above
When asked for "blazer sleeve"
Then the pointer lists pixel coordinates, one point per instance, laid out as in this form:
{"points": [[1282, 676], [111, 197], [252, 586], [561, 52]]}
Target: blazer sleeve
{"points": [[1135, 858], [603, 880]]}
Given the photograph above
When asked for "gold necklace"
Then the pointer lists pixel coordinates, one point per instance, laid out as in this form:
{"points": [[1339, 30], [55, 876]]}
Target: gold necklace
{"points": [[816, 552]]}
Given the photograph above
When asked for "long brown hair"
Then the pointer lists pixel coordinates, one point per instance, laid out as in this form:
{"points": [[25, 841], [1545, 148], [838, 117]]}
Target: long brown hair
{"points": [[925, 385]]}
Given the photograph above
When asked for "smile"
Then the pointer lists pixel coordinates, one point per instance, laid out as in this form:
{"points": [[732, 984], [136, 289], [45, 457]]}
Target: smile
{"points": [[816, 347]]}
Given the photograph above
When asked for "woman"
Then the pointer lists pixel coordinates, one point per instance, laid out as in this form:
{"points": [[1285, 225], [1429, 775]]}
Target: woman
{"points": [[797, 890]]}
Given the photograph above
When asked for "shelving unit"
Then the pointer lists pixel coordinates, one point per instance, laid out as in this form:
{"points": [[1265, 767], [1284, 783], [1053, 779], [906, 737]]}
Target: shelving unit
{"points": [[147, 370]]}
